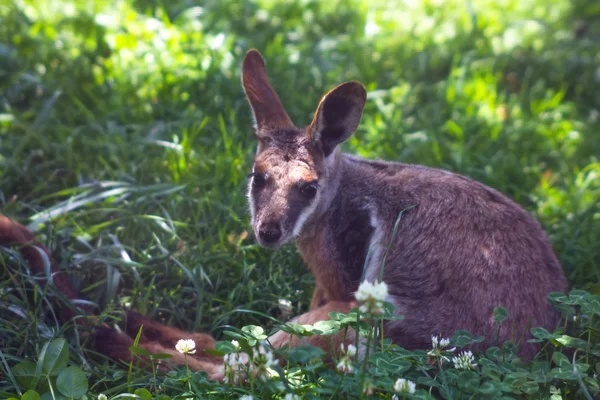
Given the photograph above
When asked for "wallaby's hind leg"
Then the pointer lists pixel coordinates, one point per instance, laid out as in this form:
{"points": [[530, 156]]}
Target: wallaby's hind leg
{"points": [[331, 344], [115, 344], [168, 336]]}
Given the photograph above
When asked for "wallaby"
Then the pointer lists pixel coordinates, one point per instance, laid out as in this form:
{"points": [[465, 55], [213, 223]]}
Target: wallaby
{"points": [[460, 248]]}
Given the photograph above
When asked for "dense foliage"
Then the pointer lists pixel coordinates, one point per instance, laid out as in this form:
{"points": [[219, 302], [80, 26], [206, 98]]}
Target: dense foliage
{"points": [[125, 142]]}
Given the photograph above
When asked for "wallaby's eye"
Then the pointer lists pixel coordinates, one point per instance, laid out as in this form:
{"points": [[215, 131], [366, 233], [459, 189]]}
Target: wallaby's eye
{"points": [[310, 189], [258, 180]]}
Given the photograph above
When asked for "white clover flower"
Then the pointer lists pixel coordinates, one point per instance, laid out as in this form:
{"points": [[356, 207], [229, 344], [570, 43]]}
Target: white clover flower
{"points": [[404, 386], [233, 365], [438, 346], [102, 397], [285, 306], [464, 361], [377, 291], [345, 363], [372, 295], [351, 350], [262, 361], [186, 346]]}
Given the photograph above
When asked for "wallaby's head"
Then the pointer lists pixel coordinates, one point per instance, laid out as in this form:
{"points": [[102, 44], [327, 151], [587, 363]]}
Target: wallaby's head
{"points": [[293, 176]]}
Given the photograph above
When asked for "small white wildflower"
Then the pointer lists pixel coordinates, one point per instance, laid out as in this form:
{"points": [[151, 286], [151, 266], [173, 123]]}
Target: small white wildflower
{"points": [[186, 346], [404, 386], [285, 306], [235, 344], [262, 361], [291, 396], [233, 364], [345, 363], [438, 346], [377, 291], [351, 350], [102, 397], [372, 295], [464, 361]]}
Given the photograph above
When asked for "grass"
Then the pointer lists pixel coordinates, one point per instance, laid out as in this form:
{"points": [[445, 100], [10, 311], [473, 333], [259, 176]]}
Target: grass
{"points": [[125, 139]]}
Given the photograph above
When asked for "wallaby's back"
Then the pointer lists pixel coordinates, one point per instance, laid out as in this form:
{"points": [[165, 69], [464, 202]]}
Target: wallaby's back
{"points": [[460, 249]]}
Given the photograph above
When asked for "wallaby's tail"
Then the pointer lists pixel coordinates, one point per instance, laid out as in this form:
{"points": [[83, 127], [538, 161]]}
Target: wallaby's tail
{"points": [[113, 342], [40, 261]]}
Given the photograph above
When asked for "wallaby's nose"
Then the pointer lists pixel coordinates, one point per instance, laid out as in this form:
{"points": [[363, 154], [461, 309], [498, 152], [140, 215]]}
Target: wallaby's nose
{"points": [[270, 232]]}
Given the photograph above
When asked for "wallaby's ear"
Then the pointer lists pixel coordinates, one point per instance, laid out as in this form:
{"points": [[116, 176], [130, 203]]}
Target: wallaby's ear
{"points": [[268, 111], [338, 115]]}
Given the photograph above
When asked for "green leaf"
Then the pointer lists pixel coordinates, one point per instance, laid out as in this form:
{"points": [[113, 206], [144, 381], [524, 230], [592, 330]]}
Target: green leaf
{"points": [[494, 353], [30, 395], [540, 333], [24, 373], [57, 396], [530, 387], [295, 329], [541, 371], [561, 360], [557, 297], [469, 380], [72, 382], [428, 382], [510, 350], [500, 314], [516, 379], [161, 356], [578, 297], [329, 327], [54, 356], [139, 351], [489, 387], [143, 393], [303, 354], [573, 343], [464, 338], [256, 332], [393, 367]]}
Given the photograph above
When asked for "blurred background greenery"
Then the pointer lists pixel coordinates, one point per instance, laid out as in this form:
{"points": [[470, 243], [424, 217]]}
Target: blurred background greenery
{"points": [[126, 139]]}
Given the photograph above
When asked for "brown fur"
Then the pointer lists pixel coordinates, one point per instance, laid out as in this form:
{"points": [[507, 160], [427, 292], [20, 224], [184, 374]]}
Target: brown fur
{"points": [[461, 248]]}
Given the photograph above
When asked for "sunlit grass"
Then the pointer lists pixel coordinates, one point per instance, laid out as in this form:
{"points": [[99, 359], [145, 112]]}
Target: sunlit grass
{"points": [[125, 138]]}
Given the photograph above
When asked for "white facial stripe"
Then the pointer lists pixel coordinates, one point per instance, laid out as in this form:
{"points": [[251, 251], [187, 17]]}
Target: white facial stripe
{"points": [[376, 248], [307, 212], [251, 201]]}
